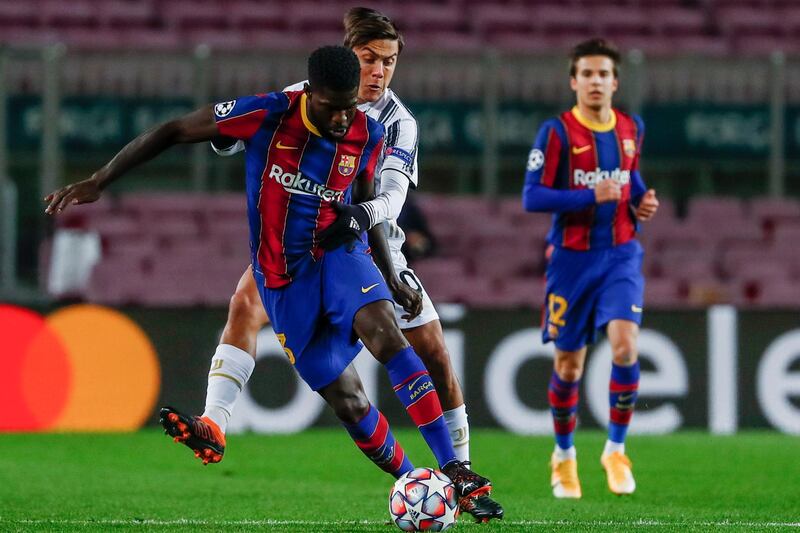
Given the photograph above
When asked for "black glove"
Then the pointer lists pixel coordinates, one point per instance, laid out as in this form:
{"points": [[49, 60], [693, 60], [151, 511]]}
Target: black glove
{"points": [[353, 220]]}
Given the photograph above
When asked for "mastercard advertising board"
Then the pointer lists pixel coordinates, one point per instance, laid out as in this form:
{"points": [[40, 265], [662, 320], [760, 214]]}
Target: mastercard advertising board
{"points": [[80, 368]]}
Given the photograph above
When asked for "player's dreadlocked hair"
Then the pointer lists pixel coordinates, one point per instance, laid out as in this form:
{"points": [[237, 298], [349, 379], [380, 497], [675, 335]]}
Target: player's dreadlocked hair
{"points": [[594, 47], [333, 67], [364, 24]]}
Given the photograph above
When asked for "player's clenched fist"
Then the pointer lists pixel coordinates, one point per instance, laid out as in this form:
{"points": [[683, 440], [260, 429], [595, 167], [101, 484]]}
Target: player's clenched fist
{"points": [[607, 191], [648, 206]]}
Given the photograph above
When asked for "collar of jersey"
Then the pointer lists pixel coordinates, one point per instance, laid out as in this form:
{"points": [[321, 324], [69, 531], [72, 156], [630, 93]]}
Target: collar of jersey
{"points": [[595, 126], [304, 114]]}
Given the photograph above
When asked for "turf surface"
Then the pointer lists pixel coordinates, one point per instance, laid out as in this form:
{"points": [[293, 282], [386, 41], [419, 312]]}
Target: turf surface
{"points": [[319, 481]]}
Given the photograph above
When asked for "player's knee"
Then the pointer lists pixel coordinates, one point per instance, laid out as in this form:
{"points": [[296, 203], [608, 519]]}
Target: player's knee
{"points": [[351, 407], [568, 369], [244, 309], [624, 350], [378, 329]]}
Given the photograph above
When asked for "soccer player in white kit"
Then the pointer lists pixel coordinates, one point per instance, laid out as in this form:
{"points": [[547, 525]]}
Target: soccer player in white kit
{"points": [[377, 43]]}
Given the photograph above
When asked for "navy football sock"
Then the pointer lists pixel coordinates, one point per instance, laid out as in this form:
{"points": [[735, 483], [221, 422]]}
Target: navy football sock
{"points": [[414, 387]]}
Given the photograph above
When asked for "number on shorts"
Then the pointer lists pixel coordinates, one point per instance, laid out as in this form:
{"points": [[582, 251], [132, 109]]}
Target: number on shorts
{"points": [[287, 351], [407, 277], [557, 306]]}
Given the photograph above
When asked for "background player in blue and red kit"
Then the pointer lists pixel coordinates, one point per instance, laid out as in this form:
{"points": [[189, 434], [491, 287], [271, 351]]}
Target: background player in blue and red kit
{"points": [[304, 150], [584, 169]]}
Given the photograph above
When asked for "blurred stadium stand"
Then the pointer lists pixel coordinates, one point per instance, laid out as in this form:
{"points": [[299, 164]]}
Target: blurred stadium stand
{"points": [[717, 27], [175, 250], [710, 64]]}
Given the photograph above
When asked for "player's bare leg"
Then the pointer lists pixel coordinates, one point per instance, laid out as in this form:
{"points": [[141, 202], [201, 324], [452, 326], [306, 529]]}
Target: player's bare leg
{"points": [[623, 390], [563, 398], [231, 367], [376, 326], [246, 315]]}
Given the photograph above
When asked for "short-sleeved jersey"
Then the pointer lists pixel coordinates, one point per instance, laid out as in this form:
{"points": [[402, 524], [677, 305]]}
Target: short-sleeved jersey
{"points": [[571, 152], [400, 146], [292, 175]]}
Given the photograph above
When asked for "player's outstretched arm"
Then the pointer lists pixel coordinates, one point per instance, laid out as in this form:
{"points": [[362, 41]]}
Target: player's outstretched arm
{"points": [[197, 126]]}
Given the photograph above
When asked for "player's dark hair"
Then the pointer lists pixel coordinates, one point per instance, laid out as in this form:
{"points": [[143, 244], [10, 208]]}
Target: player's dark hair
{"points": [[364, 24], [333, 67], [594, 47]]}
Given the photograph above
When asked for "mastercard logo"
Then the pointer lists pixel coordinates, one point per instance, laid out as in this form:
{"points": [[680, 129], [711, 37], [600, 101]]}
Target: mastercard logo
{"points": [[81, 368]]}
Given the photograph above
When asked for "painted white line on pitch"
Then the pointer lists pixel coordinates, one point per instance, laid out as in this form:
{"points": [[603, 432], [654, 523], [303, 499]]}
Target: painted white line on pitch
{"points": [[579, 523]]}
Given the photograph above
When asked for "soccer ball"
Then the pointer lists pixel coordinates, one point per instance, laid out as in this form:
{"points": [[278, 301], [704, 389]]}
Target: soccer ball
{"points": [[423, 500]]}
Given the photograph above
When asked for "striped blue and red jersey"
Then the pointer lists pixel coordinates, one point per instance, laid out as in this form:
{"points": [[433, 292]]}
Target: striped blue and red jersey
{"points": [[293, 173], [570, 155]]}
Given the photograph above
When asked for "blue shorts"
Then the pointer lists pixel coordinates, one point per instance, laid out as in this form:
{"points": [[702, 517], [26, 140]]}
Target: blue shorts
{"points": [[586, 290], [313, 315]]}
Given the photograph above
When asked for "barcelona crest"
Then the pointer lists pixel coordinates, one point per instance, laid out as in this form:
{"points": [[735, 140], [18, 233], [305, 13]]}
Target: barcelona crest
{"points": [[629, 147], [347, 165]]}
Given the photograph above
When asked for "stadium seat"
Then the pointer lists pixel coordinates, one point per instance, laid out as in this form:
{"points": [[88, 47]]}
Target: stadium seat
{"points": [[115, 282], [424, 17], [662, 293], [480, 292], [18, 13], [216, 39], [125, 14], [677, 22], [712, 210], [778, 294], [58, 14], [617, 20], [252, 15], [786, 234], [561, 19], [768, 208], [185, 14], [151, 39], [315, 17], [703, 292], [738, 21], [523, 292], [686, 267], [491, 19]]}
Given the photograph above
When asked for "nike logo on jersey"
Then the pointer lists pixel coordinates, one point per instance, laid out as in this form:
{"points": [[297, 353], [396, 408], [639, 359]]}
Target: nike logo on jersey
{"points": [[579, 150], [281, 146], [365, 290], [635, 308]]}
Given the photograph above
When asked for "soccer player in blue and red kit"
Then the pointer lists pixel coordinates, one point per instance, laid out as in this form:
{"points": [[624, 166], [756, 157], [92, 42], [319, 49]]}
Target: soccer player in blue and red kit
{"points": [[584, 168], [305, 150]]}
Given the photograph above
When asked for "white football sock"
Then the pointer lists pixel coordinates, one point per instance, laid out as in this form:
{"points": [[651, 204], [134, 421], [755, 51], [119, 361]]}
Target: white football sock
{"points": [[612, 447], [456, 420], [563, 455], [230, 369]]}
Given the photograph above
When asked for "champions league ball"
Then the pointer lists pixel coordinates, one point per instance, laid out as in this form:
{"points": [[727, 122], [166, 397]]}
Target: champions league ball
{"points": [[423, 500]]}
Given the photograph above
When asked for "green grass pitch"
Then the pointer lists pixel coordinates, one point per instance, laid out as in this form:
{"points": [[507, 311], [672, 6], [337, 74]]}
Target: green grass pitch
{"points": [[319, 481]]}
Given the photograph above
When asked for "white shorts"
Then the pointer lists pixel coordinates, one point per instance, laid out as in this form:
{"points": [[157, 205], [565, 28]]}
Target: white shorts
{"points": [[407, 276]]}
